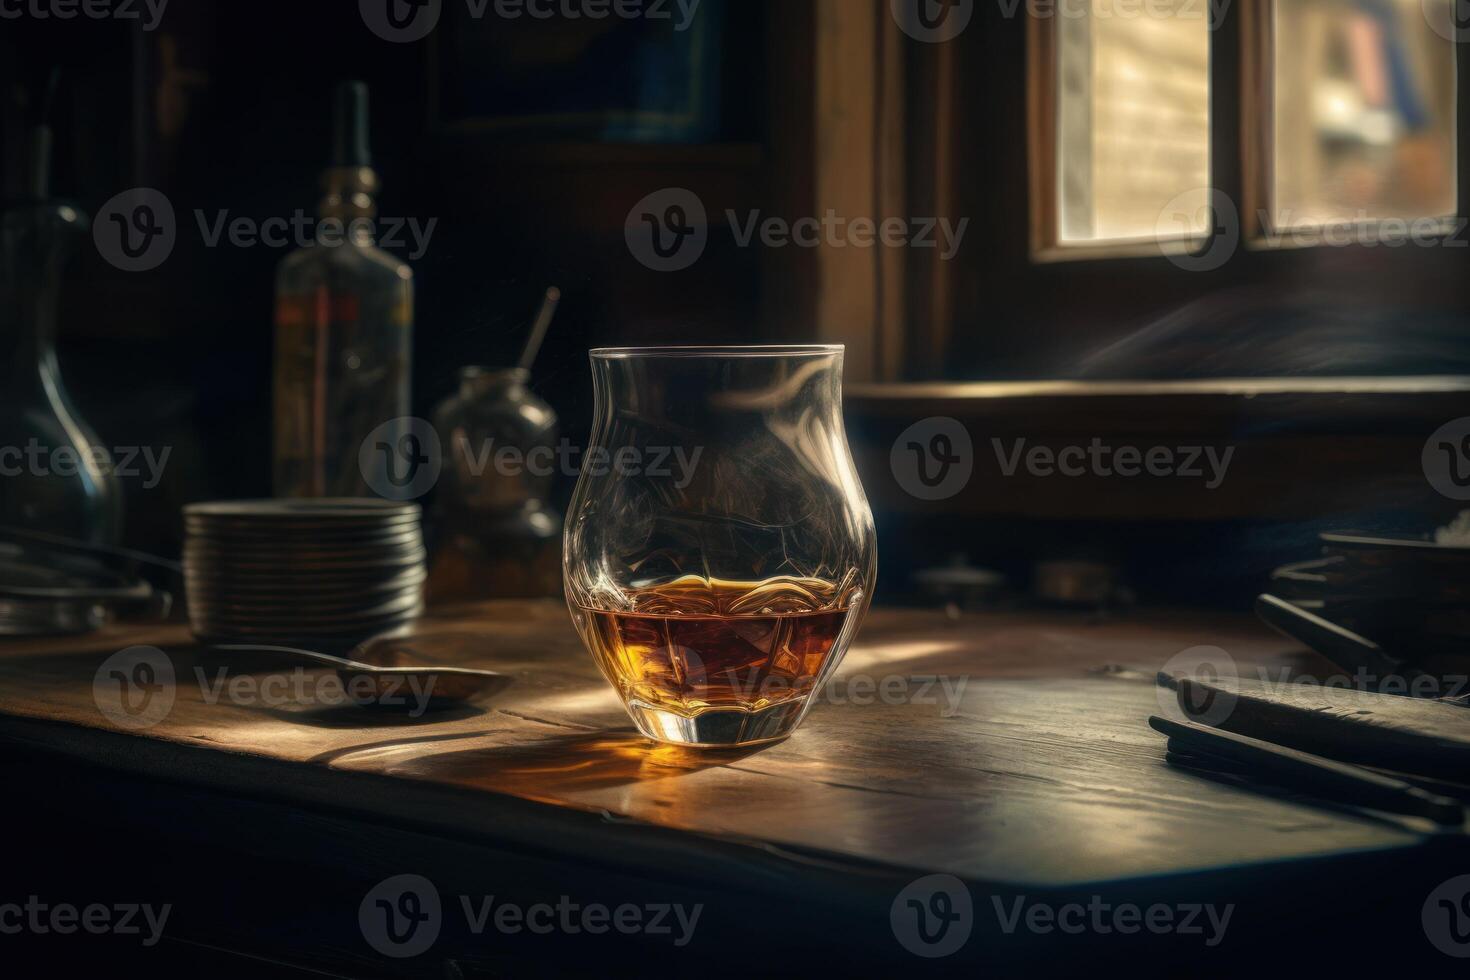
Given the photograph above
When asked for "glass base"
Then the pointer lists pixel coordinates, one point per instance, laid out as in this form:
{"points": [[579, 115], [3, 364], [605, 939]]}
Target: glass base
{"points": [[718, 727]]}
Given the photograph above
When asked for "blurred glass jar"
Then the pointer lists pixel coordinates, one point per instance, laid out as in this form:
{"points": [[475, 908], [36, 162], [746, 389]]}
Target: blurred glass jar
{"points": [[55, 476], [498, 536]]}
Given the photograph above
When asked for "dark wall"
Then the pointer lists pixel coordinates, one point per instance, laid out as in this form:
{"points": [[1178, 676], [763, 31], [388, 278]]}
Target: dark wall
{"points": [[225, 107]]}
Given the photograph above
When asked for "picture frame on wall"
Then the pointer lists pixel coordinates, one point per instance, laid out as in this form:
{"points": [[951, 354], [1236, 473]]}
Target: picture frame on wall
{"points": [[645, 79]]}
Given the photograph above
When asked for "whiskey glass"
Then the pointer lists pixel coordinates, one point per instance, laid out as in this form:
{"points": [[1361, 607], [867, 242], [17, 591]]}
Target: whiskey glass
{"points": [[719, 553]]}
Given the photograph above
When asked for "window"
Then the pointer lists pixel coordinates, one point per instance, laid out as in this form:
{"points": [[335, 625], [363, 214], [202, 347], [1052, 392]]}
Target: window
{"points": [[1133, 121], [1363, 106], [1347, 117]]}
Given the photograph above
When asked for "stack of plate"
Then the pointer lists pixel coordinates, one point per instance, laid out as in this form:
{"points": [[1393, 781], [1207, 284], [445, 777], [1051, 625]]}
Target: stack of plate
{"points": [[316, 573], [1409, 595]]}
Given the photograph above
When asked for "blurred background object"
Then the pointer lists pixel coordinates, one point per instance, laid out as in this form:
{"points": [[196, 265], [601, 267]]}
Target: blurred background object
{"points": [[54, 473], [960, 585], [497, 534], [344, 328], [1364, 110], [54, 585]]}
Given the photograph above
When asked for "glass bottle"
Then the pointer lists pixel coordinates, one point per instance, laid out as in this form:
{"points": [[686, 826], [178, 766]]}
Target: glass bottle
{"points": [[719, 553], [498, 535], [54, 474], [344, 328]]}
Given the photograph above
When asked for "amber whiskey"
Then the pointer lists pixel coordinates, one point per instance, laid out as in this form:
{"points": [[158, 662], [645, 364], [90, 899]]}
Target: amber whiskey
{"points": [[695, 646]]}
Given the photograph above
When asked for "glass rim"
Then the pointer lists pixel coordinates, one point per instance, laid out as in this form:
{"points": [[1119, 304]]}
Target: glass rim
{"points": [[756, 350]]}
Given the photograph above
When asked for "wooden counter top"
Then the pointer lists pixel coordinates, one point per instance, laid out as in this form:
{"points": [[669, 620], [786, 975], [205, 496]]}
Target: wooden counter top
{"points": [[1021, 766], [1028, 766]]}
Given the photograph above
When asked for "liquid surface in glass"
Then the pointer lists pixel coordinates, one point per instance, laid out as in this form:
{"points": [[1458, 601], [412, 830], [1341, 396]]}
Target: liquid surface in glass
{"points": [[694, 644]]}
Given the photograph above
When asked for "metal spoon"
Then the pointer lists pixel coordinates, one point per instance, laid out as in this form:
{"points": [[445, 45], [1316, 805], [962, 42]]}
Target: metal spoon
{"points": [[370, 684]]}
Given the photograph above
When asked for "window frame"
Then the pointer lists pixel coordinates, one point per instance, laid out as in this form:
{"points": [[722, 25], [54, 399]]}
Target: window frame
{"points": [[1041, 110], [1257, 145], [1240, 152]]}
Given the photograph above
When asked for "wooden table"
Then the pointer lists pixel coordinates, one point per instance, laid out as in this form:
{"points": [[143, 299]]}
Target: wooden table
{"points": [[1025, 770]]}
